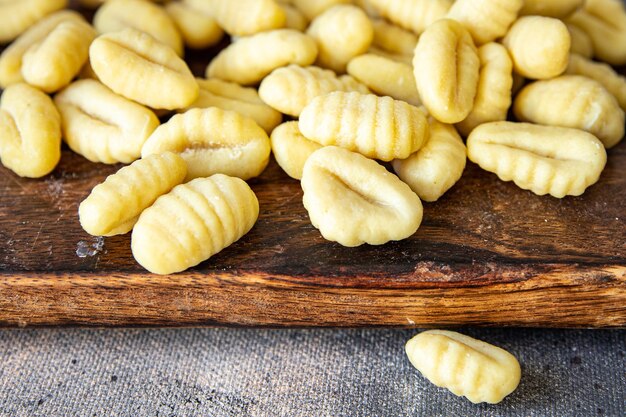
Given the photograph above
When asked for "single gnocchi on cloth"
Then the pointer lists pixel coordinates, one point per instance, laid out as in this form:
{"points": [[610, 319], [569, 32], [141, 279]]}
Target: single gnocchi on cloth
{"points": [[467, 367], [30, 131], [543, 159], [193, 222], [354, 200], [113, 207]]}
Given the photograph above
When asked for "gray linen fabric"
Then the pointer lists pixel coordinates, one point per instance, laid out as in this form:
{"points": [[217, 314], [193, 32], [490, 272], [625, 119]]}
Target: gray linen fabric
{"points": [[298, 372]]}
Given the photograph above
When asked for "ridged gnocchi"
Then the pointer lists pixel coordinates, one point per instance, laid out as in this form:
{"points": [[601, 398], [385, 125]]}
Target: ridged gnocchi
{"points": [[414, 15], [312, 9], [446, 66], [231, 96], [377, 127], [602, 73], [437, 166], [466, 366], [493, 94], [197, 28], [353, 200], [294, 18], [213, 141], [52, 63], [539, 46], [385, 77], [143, 15], [572, 101], [17, 16], [243, 17], [153, 74], [605, 23], [12, 57], [553, 8], [341, 33], [30, 131], [291, 149], [193, 222], [392, 38], [486, 20], [543, 159], [250, 59], [101, 125], [289, 89], [113, 206]]}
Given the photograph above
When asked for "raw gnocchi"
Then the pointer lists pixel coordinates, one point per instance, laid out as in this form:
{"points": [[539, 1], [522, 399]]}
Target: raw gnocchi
{"points": [[193, 222], [213, 141], [101, 125], [392, 38], [197, 28], [153, 74], [113, 207], [486, 20], [30, 131], [243, 17], [291, 149], [17, 16], [552, 8], [602, 73], [377, 127], [353, 200], [413, 15], [466, 366], [543, 159]]}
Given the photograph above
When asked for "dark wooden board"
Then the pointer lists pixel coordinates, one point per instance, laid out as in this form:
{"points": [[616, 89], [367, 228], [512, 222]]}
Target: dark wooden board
{"points": [[488, 253]]}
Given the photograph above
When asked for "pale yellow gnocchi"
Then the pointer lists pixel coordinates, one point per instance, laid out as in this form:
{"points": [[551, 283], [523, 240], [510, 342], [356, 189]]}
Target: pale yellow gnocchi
{"points": [[294, 18], [572, 101], [413, 15], [354, 200], [231, 96], [101, 125], [392, 38], [553, 8], [543, 159], [312, 9], [377, 127], [493, 95], [198, 29], [289, 89], [16, 16], [30, 131], [466, 366], [291, 149], [385, 77], [602, 73], [486, 20], [446, 68], [243, 17], [213, 141], [341, 33], [193, 222], [143, 15], [153, 74], [250, 59], [437, 166], [11, 59], [539, 46], [581, 42], [113, 207], [605, 23]]}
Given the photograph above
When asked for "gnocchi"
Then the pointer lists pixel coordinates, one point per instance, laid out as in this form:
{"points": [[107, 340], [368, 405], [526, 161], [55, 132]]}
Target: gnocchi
{"points": [[385, 77], [312, 9], [572, 101], [543, 159], [553, 8], [291, 149], [377, 127], [197, 29], [250, 59], [289, 89], [113, 207], [353, 200], [17, 16], [30, 131], [602, 73], [153, 74], [539, 46], [493, 95], [243, 17], [446, 67], [193, 222], [580, 42], [413, 15], [466, 366], [143, 15], [213, 141], [486, 20], [231, 96], [341, 33], [392, 38], [437, 166], [101, 125]]}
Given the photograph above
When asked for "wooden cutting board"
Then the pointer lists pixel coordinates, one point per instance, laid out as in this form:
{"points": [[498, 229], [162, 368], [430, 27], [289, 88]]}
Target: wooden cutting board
{"points": [[488, 253]]}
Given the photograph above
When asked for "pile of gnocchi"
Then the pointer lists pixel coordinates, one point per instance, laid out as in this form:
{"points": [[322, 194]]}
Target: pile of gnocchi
{"points": [[359, 84]]}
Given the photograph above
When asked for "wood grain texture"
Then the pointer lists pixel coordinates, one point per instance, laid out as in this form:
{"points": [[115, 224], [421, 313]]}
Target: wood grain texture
{"points": [[488, 253]]}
